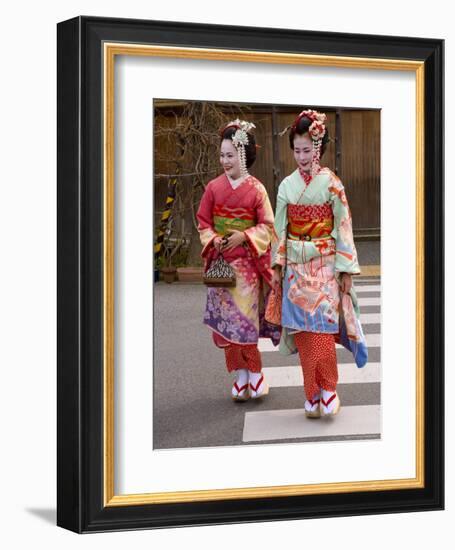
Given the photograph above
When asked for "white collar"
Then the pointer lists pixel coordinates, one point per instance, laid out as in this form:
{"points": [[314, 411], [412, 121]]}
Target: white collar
{"points": [[235, 183]]}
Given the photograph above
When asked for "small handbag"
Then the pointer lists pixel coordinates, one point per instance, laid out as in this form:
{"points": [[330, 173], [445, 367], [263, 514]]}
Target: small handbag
{"points": [[220, 273], [272, 312], [273, 308]]}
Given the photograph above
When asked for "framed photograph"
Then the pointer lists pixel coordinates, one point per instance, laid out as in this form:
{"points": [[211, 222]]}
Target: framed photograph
{"points": [[152, 432]]}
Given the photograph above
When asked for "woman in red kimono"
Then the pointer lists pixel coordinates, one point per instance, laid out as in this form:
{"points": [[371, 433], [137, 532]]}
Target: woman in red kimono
{"points": [[236, 220]]}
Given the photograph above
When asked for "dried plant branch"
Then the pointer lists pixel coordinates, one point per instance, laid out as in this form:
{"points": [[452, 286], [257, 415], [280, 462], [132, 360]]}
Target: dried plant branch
{"points": [[187, 139]]}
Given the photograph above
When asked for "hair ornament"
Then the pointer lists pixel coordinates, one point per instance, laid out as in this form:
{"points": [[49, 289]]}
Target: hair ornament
{"points": [[317, 128], [316, 131], [240, 139]]}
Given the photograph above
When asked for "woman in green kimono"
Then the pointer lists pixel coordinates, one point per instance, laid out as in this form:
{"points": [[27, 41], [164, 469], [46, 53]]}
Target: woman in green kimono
{"points": [[314, 260]]}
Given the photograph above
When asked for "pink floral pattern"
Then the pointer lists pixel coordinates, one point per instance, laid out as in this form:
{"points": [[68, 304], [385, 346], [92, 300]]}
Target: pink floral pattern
{"points": [[237, 314]]}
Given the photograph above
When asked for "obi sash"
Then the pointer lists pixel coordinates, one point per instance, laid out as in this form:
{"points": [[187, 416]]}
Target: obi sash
{"points": [[309, 221], [226, 219]]}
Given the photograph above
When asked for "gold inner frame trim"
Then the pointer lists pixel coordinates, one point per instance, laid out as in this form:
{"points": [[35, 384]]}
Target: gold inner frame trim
{"points": [[110, 50]]}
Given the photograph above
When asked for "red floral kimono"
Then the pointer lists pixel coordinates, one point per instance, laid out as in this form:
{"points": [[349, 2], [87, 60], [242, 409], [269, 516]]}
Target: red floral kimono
{"points": [[236, 315]]}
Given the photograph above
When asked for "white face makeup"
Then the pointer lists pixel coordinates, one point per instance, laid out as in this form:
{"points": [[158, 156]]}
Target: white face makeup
{"points": [[303, 152], [229, 159]]}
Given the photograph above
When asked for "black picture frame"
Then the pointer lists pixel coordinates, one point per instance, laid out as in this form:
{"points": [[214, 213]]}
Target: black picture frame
{"points": [[82, 505]]}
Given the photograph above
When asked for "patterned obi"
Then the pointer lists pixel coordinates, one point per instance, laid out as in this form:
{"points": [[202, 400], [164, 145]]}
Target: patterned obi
{"points": [[226, 219], [309, 221]]}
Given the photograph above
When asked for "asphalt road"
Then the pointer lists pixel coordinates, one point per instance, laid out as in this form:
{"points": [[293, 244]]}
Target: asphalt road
{"points": [[192, 404]]}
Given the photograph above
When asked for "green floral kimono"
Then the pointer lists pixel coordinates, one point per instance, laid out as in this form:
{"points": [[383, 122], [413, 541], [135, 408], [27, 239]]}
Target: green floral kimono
{"points": [[315, 246]]}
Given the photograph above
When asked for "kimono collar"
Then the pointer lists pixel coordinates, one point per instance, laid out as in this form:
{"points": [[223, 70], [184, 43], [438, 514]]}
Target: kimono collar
{"points": [[306, 176], [235, 183]]}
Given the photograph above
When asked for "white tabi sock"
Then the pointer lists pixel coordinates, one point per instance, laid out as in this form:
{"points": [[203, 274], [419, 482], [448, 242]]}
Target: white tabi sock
{"points": [[326, 395], [311, 408], [254, 380], [241, 380]]}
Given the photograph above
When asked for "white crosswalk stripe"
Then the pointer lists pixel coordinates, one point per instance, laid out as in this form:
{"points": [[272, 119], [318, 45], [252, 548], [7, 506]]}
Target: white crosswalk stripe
{"points": [[292, 424], [370, 318], [275, 425], [373, 301], [367, 288]]}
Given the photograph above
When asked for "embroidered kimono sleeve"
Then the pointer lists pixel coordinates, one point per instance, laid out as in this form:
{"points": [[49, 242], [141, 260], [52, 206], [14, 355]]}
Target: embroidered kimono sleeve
{"points": [[205, 220], [346, 254], [281, 227], [259, 236]]}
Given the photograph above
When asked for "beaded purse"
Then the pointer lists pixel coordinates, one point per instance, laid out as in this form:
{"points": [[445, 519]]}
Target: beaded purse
{"points": [[220, 273]]}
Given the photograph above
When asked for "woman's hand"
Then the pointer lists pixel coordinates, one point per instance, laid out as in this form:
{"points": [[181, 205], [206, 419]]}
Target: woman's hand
{"points": [[236, 238], [345, 283], [276, 277], [218, 243]]}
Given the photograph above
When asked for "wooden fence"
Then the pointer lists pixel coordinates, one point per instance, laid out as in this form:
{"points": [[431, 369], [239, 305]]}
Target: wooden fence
{"points": [[353, 154]]}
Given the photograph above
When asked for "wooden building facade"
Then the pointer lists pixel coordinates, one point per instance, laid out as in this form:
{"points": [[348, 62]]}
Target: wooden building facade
{"points": [[353, 153]]}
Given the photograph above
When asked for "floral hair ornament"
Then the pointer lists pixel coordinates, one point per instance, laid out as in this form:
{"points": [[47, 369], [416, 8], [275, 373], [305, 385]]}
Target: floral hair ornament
{"points": [[239, 140], [316, 131]]}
